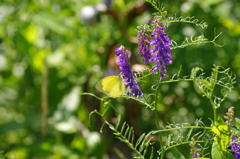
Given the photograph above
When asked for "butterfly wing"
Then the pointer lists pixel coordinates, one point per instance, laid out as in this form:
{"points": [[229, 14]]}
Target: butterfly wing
{"points": [[116, 87], [112, 86]]}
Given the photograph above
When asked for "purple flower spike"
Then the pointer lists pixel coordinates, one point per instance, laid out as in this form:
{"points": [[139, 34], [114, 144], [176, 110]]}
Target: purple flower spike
{"points": [[235, 147], [143, 46], [160, 48], [126, 72], [160, 51]]}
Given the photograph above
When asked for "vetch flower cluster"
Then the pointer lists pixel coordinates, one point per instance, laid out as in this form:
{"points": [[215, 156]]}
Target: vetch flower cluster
{"points": [[235, 147], [126, 72], [194, 150], [154, 48], [230, 117], [161, 46]]}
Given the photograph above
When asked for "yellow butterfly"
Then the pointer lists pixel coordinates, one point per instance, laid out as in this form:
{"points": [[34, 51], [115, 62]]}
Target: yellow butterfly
{"points": [[112, 86]]}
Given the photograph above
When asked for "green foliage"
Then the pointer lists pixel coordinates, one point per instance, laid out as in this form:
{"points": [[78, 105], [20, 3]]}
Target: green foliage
{"points": [[206, 85], [49, 54], [126, 135]]}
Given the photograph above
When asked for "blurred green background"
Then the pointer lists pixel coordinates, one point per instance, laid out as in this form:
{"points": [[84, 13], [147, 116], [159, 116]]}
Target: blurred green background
{"points": [[50, 51]]}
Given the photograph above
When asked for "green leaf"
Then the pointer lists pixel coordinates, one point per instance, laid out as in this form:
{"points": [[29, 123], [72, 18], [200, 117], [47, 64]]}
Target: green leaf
{"points": [[126, 130], [237, 123], [207, 84], [237, 120], [178, 74], [151, 156], [230, 156], [220, 127], [118, 121], [223, 136], [143, 145], [215, 73], [117, 134], [194, 72], [189, 134], [130, 133], [168, 143], [140, 139], [111, 127], [177, 154], [123, 126], [215, 151]]}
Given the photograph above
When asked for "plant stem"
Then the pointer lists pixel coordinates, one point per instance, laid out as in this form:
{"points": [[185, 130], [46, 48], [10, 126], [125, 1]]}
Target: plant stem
{"points": [[44, 99], [214, 106], [214, 110], [157, 122]]}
